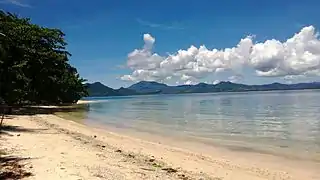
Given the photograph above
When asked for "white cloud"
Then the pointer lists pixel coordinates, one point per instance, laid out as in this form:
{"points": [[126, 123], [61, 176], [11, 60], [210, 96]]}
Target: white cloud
{"points": [[189, 82], [216, 82], [235, 78], [297, 56], [20, 3], [148, 40], [172, 26], [143, 59]]}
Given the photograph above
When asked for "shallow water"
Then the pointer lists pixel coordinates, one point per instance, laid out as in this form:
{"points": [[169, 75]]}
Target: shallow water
{"points": [[277, 122]]}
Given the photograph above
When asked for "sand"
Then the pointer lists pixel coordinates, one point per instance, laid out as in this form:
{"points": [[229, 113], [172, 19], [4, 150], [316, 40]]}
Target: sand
{"points": [[84, 102], [56, 148]]}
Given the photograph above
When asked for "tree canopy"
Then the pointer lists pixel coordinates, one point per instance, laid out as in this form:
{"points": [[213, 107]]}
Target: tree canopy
{"points": [[34, 66]]}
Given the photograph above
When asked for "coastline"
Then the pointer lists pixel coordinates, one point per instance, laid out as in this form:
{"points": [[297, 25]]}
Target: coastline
{"points": [[63, 149], [84, 102]]}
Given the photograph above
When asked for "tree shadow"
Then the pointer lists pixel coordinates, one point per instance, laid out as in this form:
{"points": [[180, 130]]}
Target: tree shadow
{"points": [[11, 159], [33, 110], [11, 128], [11, 168], [7, 117]]}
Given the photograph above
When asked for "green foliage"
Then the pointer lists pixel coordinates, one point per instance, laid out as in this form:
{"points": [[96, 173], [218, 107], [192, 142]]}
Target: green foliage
{"points": [[34, 65]]}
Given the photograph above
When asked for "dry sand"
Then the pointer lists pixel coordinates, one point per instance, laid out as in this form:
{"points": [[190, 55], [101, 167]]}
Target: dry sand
{"points": [[62, 149], [90, 101], [84, 102]]}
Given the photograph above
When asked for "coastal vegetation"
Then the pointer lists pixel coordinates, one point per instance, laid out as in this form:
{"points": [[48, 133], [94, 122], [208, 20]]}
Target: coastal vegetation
{"points": [[34, 64], [34, 70]]}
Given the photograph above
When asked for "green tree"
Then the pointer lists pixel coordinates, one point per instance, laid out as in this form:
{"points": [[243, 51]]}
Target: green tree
{"points": [[34, 66]]}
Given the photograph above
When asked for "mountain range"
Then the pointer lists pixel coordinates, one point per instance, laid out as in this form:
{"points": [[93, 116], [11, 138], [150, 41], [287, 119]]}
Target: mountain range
{"points": [[150, 87]]}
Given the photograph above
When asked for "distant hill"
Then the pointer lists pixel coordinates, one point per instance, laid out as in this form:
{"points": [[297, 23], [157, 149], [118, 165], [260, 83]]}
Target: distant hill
{"points": [[126, 92], [98, 89], [147, 87]]}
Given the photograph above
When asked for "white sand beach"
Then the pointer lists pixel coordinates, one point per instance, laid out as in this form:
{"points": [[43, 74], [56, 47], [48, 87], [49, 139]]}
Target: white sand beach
{"points": [[57, 148]]}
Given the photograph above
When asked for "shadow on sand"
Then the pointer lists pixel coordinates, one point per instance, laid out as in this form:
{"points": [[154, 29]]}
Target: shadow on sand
{"points": [[12, 168], [10, 112], [19, 129], [33, 110]]}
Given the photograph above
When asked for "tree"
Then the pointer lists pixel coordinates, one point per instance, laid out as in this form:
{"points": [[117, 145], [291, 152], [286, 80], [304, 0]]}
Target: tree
{"points": [[34, 66]]}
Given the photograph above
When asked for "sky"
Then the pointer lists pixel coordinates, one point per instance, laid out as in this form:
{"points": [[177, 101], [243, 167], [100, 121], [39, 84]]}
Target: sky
{"points": [[121, 42]]}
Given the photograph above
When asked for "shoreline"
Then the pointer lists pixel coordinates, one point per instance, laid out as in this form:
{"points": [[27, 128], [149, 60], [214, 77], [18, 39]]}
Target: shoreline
{"points": [[84, 102], [230, 146], [60, 148]]}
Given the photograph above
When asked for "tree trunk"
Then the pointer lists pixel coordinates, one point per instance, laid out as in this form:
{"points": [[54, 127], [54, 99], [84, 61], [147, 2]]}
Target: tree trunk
{"points": [[2, 117], [1, 120]]}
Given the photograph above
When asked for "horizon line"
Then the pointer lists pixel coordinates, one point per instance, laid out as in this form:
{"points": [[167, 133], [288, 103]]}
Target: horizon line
{"points": [[205, 83]]}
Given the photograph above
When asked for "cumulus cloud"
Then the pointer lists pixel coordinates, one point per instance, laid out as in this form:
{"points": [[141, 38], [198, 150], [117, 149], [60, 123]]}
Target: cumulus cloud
{"points": [[297, 56]]}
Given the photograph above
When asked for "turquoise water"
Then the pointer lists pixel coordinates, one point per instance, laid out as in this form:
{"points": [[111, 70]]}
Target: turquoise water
{"points": [[278, 120]]}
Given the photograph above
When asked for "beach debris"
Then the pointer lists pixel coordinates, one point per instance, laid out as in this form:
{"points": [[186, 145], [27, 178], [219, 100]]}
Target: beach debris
{"points": [[118, 151], [156, 165], [147, 169], [152, 160], [169, 170], [94, 136], [98, 145], [131, 156], [18, 134], [183, 177], [12, 169]]}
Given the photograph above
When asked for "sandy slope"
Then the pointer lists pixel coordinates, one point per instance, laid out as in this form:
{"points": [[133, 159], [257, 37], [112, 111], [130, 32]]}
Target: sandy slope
{"points": [[62, 149]]}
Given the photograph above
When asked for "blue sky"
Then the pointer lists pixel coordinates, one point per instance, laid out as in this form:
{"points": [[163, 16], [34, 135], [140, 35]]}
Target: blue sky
{"points": [[102, 34]]}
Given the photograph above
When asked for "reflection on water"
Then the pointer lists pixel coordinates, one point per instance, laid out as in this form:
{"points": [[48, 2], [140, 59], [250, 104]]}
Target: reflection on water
{"points": [[283, 119]]}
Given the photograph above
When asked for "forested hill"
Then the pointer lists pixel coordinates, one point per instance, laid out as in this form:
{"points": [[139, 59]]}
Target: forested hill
{"points": [[146, 87], [34, 64]]}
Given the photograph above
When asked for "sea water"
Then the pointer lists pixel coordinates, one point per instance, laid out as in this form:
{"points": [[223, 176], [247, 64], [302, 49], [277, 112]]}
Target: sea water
{"points": [[275, 122]]}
